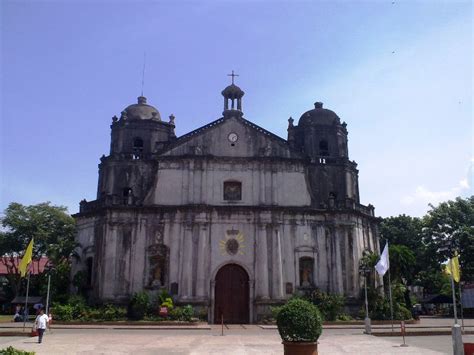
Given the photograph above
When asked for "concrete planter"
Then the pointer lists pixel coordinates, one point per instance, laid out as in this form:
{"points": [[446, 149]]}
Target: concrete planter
{"points": [[300, 348]]}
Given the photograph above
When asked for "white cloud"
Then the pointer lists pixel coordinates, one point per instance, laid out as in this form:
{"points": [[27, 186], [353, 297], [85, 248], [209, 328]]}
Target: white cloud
{"points": [[425, 196]]}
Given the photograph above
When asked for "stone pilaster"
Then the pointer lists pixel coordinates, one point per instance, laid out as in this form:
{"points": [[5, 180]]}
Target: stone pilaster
{"points": [[261, 275], [203, 256], [186, 262]]}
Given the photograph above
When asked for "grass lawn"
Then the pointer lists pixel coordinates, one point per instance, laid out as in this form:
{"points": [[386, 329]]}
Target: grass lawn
{"points": [[5, 318]]}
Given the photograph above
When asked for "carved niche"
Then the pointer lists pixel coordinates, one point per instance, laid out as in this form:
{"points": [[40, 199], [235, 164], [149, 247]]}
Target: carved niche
{"points": [[158, 260]]}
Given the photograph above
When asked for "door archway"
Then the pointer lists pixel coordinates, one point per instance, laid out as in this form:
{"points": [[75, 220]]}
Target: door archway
{"points": [[232, 295]]}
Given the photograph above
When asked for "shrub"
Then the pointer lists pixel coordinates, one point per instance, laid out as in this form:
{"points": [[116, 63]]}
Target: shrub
{"points": [[188, 313], [63, 312], [111, 312], [12, 351], [139, 305], [330, 305], [275, 310], [203, 314], [165, 300], [381, 310], [344, 317], [184, 314], [299, 321]]}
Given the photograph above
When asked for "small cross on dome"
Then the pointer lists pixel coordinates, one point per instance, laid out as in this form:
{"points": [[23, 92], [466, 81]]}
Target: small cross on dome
{"points": [[233, 75]]}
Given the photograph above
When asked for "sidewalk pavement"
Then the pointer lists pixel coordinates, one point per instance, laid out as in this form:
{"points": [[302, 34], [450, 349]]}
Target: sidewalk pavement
{"points": [[236, 341]]}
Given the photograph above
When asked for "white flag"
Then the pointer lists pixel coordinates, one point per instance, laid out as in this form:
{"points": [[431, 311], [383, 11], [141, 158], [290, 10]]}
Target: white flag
{"points": [[384, 264]]}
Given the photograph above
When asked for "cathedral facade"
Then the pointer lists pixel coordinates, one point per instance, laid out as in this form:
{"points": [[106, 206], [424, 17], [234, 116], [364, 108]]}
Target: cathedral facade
{"points": [[229, 218]]}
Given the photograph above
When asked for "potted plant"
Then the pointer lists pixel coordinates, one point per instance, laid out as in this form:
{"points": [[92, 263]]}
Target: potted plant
{"points": [[300, 325]]}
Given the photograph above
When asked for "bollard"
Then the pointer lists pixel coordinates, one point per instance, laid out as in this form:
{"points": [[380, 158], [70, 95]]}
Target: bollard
{"points": [[402, 328], [222, 323]]}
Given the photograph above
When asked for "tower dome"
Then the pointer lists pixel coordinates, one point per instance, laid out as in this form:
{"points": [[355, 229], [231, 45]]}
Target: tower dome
{"points": [[142, 111], [319, 116], [233, 92]]}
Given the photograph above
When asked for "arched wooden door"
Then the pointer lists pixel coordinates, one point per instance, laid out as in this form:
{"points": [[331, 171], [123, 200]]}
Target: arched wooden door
{"points": [[232, 295]]}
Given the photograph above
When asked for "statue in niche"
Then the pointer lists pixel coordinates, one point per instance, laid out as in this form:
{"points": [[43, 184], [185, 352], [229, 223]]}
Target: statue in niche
{"points": [[157, 265], [306, 271]]}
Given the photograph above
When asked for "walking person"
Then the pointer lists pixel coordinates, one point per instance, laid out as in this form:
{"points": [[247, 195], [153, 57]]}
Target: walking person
{"points": [[41, 323]]}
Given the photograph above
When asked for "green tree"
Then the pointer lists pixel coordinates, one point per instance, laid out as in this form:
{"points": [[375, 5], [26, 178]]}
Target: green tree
{"points": [[449, 227], [53, 231], [403, 230], [402, 269]]}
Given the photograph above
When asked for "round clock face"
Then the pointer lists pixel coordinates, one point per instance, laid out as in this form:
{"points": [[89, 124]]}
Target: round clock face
{"points": [[233, 137]]}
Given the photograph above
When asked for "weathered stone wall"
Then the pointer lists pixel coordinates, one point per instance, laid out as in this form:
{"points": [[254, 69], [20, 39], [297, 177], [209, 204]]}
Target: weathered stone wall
{"points": [[201, 180], [271, 244]]}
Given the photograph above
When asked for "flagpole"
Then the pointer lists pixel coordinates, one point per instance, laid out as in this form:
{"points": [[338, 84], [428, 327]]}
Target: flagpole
{"points": [[390, 296], [389, 286], [47, 294], [25, 312], [454, 296], [460, 303], [456, 330]]}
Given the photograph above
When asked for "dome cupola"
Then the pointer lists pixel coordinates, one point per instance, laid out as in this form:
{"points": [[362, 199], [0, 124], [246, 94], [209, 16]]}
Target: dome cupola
{"points": [[233, 94], [142, 111], [319, 116]]}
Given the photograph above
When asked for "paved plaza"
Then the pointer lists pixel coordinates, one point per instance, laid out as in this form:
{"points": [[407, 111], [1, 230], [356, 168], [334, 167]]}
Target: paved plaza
{"points": [[248, 339]]}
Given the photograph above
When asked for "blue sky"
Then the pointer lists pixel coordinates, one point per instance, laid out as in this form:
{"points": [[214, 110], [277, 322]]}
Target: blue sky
{"points": [[398, 72]]}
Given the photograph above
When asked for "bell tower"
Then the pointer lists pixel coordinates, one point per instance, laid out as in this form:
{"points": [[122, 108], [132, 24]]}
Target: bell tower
{"points": [[137, 137], [322, 137]]}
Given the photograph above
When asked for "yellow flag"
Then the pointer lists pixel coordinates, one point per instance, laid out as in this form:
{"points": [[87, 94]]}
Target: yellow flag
{"points": [[26, 258], [452, 268]]}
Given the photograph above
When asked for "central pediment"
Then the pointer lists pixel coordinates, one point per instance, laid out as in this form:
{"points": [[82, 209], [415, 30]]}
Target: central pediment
{"points": [[231, 137]]}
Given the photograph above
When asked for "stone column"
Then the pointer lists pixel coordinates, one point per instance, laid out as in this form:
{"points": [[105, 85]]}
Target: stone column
{"points": [[212, 297], [186, 263], [175, 246], [251, 299], [203, 255], [262, 263], [191, 197], [262, 183], [277, 266], [349, 192]]}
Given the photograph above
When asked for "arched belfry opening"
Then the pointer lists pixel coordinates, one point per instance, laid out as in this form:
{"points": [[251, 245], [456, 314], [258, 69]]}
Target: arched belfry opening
{"points": [[232, 98], [232, 295], [137, 148]]}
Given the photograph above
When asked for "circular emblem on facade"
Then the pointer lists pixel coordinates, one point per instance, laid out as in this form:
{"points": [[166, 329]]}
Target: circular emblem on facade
{"points": [[233, 137], [233, 243], [232, 246]]}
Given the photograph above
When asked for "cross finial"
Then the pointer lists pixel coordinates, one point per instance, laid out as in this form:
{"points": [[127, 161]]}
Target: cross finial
{"points": [[233, 75]]}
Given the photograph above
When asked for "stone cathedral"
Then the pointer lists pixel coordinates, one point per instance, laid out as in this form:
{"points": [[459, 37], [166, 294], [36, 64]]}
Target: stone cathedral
{"points": [[230, 217]]}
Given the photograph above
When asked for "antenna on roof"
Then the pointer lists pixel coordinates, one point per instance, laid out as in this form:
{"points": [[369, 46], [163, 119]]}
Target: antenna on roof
{"points": [[143, 73]]}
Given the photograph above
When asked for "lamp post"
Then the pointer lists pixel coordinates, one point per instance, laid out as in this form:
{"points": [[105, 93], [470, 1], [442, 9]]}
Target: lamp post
{"points": [[450, 246], [364, 270]]}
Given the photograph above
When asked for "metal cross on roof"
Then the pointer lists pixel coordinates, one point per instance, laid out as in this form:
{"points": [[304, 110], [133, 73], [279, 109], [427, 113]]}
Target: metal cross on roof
{"points": [[233, 75]]}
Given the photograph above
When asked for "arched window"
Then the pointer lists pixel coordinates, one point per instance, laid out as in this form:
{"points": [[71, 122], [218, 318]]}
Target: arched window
{"points": [[137, 148], [232, 190], [127, 196], [323, 148], [306, 271]]}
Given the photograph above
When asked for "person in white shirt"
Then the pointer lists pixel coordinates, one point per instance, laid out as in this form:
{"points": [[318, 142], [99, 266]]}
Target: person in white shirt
{"points": [[41, 323]]}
